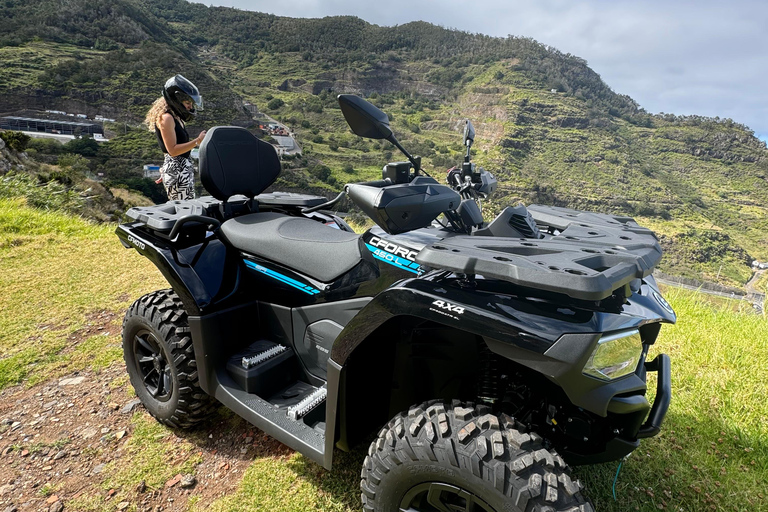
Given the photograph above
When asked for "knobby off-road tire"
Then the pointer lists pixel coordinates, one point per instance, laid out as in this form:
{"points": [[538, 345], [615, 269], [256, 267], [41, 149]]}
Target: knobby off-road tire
{"points": [[160, 359], [457, 457]]}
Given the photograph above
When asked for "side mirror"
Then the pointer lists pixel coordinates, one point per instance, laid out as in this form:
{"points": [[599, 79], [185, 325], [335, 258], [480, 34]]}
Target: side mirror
{"points": [[469, 133], [365, 119]]}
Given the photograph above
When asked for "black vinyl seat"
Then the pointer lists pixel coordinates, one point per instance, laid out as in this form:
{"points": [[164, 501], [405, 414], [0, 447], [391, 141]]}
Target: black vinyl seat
{"points": [[233, 161], [305, 245]]}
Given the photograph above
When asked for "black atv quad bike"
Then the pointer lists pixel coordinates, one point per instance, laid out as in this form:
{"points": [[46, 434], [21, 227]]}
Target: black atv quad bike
{"points": [[522, 342]]}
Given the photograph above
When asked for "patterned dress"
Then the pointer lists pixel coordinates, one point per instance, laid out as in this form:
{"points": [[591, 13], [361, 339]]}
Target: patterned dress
{"points": [[178, 172]]}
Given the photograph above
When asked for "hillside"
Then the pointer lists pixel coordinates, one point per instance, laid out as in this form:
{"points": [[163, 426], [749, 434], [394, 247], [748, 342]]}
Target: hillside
{"points": [[547, 125]]}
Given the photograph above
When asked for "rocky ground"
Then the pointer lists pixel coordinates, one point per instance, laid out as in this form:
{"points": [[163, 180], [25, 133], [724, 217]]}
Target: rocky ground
{"points": [[57, 440]]}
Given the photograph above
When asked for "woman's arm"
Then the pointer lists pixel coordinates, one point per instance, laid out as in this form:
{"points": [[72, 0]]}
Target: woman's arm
{"points": [[168, 133]]}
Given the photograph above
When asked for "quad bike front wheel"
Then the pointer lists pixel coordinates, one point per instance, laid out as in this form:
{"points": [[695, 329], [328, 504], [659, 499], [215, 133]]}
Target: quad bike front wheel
{"points": [[160, 360], [458, 457]]}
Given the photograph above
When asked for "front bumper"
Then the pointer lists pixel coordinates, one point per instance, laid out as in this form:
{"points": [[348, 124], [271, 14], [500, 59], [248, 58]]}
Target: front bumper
{"points": [[635, 404], [630, 412], [652, 425]]}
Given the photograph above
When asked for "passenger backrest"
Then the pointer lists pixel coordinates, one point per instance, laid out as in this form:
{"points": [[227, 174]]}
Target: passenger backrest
{"points": [[233, 161]]}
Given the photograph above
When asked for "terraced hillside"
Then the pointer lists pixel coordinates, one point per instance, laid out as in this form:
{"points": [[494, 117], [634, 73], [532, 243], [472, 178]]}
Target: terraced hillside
{"points": [[550, 128]]}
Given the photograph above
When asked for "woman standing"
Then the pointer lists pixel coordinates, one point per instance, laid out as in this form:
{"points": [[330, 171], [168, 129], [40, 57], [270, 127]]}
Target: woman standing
{"points": [[178, 104]]}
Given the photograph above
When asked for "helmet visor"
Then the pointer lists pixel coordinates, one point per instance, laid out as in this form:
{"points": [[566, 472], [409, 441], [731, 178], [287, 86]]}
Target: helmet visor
{"points": [[196, 100]]}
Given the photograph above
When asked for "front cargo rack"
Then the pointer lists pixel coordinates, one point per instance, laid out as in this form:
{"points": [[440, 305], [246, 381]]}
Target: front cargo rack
{"points": [[589, 256]]}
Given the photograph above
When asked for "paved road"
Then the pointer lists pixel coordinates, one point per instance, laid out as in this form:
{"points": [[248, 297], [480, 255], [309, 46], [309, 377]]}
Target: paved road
{"points": [[44, 135], [757, 299]]}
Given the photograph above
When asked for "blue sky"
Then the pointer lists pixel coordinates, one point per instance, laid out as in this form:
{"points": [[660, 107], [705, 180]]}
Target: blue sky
{"points": [[701, 57]]}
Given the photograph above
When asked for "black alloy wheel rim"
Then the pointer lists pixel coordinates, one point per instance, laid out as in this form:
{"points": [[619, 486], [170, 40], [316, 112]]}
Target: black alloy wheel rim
{"points": [[441, 497], [152, 363]]}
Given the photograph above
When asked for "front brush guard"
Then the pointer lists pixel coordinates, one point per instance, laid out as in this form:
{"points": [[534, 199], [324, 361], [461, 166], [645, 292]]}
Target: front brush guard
{"points": [[652, 425]]}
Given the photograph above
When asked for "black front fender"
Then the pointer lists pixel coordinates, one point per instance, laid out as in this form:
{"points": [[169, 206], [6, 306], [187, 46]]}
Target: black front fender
{"points": [[448, 306]]}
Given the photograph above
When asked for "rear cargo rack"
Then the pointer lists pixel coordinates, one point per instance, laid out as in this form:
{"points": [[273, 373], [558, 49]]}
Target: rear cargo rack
{"points": [[588, 257], [163, 217]]}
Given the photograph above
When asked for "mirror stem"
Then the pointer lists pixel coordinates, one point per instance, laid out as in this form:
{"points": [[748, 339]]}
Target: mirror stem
{"points": [[416, 164]]}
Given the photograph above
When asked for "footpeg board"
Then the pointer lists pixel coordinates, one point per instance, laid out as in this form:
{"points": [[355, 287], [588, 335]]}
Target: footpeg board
{"points": [[308, 404]]}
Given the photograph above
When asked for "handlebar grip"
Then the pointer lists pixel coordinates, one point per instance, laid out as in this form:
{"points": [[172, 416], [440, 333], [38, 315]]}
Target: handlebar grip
{"points": [[376, 183]]}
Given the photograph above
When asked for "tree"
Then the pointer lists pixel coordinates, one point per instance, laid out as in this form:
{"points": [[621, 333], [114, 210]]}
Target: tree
{"points": [[85, 146], [16, 141]]}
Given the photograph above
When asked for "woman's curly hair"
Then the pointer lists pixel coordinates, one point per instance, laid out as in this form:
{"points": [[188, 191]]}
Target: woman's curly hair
{"points": [[156, 111]]}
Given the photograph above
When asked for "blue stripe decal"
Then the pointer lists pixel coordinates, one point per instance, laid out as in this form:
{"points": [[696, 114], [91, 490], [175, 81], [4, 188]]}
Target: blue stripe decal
{"points": [[283, 279], [397, 261]]}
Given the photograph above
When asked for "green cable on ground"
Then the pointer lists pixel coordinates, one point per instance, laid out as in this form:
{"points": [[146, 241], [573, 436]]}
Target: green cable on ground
{"points": [[616, 478]]}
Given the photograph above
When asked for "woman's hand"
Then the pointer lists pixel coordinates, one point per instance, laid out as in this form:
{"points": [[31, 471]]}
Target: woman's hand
{"points": [[199, 139]]}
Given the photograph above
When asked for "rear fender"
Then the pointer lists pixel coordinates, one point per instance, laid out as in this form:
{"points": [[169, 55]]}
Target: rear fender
{"points": [[194, 272]]}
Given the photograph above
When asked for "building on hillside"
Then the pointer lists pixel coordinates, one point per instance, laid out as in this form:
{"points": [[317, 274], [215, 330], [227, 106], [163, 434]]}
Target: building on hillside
{"points": [[29, 124], [252, 109], [152, 171]]}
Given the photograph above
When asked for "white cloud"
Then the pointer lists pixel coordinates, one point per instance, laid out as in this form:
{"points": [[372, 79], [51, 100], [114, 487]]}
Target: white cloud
{"points": [[683, 57]]}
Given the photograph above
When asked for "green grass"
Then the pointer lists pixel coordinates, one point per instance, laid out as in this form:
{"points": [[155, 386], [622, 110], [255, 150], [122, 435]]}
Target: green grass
{"points": [[295, 484], [712, 453], [57, 272]]}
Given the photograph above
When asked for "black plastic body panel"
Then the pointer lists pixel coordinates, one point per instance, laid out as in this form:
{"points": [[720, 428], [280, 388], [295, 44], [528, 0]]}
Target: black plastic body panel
{"points": [[527, 332], [200, 270], [315, 328]]}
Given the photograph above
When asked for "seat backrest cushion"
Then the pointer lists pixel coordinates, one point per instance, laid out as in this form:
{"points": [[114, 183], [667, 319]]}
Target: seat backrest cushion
{"points": [[233, 161]]}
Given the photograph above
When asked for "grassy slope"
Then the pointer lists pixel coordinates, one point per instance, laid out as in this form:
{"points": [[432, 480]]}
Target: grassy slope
{"points": [[22, 65], [57, 271]]}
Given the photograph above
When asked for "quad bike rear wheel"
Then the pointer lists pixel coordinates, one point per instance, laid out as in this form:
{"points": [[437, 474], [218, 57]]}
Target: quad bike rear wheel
{"points": [[160, 359], [458, 457]]}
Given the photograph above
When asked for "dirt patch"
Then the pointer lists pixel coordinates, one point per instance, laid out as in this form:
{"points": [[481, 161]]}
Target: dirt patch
{"points": [[57, 440], [104, 323]]}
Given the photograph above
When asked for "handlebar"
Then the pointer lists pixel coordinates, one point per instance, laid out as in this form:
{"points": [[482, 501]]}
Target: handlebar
{"points": [[375, 183]]}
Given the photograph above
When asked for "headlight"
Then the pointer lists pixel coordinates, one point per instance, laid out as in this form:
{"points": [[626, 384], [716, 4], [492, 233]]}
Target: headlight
{"points": [[616, 355]]}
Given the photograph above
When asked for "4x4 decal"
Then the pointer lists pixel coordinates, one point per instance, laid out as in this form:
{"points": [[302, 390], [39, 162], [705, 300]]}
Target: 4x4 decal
{"points": [[446, 308]]}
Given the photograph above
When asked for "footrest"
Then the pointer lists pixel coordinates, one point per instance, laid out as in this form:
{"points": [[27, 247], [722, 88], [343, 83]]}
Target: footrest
{"points": [[307, 404], [263, 368], [262, 357]]}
